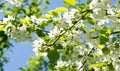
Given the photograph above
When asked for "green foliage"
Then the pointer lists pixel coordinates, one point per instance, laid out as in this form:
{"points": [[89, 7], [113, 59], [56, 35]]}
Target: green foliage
{"points": [[117, 45], [58, 46], [106, 50], [40, 33], [61, 9], [104, 34], [70, 2], [53, 55], [98, 65], [4, 45], [111, 68], [76, 33], [90, 21], [46, 1]]}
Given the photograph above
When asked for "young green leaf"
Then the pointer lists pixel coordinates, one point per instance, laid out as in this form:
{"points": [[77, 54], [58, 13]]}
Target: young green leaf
{"points": [[70, 2], [106, 50], [61, 9], [53, 55]]}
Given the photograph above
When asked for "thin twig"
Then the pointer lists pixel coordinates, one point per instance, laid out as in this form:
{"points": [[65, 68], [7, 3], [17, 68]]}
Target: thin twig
{"points": [[115, 32], [85, 60], [70, 27], [93, 49]]}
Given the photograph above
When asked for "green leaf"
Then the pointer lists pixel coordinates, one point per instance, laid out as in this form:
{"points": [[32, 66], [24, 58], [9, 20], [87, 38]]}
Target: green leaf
{"points": [[104, 35], [70, 2], [111, 68], [106, 50], [64, 58], [103, 39], [52, 12], [40, 33], [2, 28], [25, 21], [8, 12], [114, 39], [61, 9], [118, 35], [58, 46], [53, 55], [100, 46], [16, 9], [46, 2], [117, 45], [38, 15], [98, 65], [90, 21]]}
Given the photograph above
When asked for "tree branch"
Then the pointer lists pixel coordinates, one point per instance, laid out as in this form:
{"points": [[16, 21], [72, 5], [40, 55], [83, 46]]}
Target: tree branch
{"points": [[70, 27], [93, 49], [85, 60], [116, 32]]}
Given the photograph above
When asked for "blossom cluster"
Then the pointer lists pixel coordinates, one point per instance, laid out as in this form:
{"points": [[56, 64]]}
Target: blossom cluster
{"points": [[78, 39], [16, 2]]}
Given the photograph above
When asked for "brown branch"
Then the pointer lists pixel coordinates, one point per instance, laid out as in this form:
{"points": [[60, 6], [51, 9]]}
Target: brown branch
{"points": [[85, 60], [116, 32], [70, 27], [45, 31], [93, 49]]}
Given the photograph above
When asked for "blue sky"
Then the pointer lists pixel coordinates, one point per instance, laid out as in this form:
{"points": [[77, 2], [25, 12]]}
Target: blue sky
{"points": [[21, 51]]}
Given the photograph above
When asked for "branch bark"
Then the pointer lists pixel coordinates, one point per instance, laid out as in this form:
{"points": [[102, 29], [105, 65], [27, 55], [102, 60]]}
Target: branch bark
{"points": [[116, 32], [86, 12], [85, 60]]}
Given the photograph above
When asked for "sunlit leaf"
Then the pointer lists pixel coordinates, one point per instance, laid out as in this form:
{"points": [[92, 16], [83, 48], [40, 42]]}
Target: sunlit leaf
{"points": [[106, 50], [8, 12], [117, 45], [98, 65], [52, 12], [25, 21], [53, 55], [70, 2], [100, 46], [58, 46], [2, 28], [61, 9]]}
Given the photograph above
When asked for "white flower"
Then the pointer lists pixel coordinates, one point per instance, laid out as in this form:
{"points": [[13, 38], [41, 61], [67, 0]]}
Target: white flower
{"points": [[23, 28], [90, 45], [54, 32], [101, 22], [93, 4], [99, 4], [63, 63], [80, 23], [36, 51], [8, 19], [100, 52], [36, 20], [17, 33], [67, 17], [38, 43], [16, 2], [96, 69], [78, 63]]}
